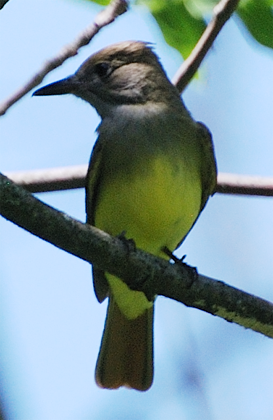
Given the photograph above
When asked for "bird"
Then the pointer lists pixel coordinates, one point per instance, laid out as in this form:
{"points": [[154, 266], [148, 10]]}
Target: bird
{"points": [[151, 173]]}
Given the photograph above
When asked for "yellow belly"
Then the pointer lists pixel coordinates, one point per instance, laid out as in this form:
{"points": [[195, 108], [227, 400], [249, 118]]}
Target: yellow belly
{"points": [[155, 209]]}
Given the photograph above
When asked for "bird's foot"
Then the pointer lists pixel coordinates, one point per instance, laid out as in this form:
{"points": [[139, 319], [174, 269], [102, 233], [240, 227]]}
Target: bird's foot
{"points": [[128, 243], [192, 271]]}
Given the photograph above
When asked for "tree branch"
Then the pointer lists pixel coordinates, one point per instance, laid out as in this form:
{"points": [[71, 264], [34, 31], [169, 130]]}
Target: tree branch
{"points": [[221, 13], [105, 17], [141, 271], [53, 179], [244, 185], [71, 177], [2, 4]]}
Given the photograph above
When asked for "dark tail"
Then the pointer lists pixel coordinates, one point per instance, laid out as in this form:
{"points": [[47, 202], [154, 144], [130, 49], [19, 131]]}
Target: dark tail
{"points": [[126, 352]]}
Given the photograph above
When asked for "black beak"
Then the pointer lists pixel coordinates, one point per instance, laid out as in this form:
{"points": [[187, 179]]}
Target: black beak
{"points": [[68, 85]]}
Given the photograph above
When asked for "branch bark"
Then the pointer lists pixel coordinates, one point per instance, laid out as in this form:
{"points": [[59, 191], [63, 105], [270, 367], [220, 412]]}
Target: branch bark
{"points": [[244, 185], [2, 4], [53, 179], [141, 271]]}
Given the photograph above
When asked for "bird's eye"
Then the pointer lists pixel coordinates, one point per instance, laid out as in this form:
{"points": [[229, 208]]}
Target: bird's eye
{"points": [[103, 69]]}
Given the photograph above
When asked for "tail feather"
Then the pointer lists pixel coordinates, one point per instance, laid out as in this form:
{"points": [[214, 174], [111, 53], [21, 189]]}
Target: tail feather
{"points": [[126, 352]]}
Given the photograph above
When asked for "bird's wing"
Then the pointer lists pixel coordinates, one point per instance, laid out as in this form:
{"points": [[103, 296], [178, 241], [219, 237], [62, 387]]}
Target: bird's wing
{"points": [[91, 188], [208, 168], [208, 165]]}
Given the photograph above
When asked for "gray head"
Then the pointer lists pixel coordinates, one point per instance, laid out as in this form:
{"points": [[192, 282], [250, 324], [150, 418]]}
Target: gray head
{"points": [[124, 73]]}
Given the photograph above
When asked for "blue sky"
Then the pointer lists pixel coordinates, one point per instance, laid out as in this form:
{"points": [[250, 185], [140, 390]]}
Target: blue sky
{"points": [[50, 321]]}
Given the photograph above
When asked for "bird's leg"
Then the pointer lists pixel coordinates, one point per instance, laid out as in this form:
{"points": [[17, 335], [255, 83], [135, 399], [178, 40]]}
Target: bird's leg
{"points": [[192, 271], [128, 243], [169, 253]]}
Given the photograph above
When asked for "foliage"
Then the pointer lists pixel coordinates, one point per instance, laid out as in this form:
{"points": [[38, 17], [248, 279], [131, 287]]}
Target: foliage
{"points": [[258, 18], [255, 15]]}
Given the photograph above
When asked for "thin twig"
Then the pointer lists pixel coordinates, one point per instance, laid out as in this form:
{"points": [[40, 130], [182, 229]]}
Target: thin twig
{"points": [[71, 177], [53, 179], [244, 185], [221, 13], [141, 271], [105, 17]]}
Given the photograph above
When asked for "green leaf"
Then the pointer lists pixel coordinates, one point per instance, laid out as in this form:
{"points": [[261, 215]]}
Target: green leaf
{"points": [[180, 28], [199, 8], [257, 15], [182, 21], [101, 2]]}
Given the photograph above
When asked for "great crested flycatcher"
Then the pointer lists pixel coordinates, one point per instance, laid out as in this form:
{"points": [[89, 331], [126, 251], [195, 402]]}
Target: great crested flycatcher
{"points": [[151, 173]]}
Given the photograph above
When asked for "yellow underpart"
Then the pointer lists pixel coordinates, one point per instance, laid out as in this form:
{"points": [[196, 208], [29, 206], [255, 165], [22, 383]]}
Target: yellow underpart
{"points": [[131, 303], [155, 208]]}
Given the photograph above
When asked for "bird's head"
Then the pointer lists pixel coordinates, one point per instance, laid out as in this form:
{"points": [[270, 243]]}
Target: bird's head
{"points": [[124, 73]]}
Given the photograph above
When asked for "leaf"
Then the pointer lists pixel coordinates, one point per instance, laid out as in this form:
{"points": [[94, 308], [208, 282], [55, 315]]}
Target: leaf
{"points": [[199, 8], [101, 2], [182, 21], [257, 15], [180, 28]]}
